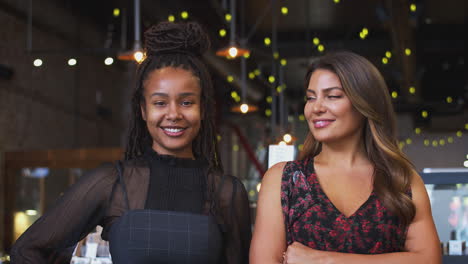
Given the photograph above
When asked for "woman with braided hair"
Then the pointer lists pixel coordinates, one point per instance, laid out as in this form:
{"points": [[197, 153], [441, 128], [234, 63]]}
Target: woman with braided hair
{"points": [[168, 201]]}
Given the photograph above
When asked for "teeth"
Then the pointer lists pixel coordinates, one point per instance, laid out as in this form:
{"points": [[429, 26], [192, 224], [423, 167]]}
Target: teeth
{"points": [[173, 130]]}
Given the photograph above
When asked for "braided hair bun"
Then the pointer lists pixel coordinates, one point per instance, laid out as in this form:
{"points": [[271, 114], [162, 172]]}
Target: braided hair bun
{"points": [[167, 37]]}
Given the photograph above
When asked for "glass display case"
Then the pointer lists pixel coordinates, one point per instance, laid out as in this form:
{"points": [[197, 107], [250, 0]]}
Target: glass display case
{"points": [[448, 192]]}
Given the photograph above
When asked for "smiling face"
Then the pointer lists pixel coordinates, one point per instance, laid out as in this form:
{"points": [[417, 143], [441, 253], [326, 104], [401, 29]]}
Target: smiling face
{"points": [[329, 112], [171, 109]]}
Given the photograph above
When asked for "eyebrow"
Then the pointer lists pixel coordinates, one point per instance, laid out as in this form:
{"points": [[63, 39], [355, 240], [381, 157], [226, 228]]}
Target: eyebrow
{"points": [[326, 89], [167, 95]]}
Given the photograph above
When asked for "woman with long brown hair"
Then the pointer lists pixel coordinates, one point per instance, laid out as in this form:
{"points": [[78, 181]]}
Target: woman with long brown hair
{"points": [[168, 201], [352, 196]]}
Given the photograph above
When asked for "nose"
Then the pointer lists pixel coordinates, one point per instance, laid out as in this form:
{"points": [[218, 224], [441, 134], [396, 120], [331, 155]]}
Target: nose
{"points": [[173, 112], [318, 107]]}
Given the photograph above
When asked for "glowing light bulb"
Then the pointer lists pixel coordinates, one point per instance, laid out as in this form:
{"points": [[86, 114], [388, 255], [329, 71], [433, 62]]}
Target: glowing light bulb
{"points": [[229, 78], [108, 61], [316, 41], [282, 143], [222, 32], [184, 14], [394, 95], [37, 62], [228, 17], [284, 10], [72, 62], [407, 52], [449, 99], [268, 112], [384, 60], [171, 18], [267, 41], [283, 62], [321, 48], [417, 131], [424, 114], [244, 108], [388, 54], [116, 12], [271, 79], [232, 52], [287, 138], [412, 90], [138, 56]]}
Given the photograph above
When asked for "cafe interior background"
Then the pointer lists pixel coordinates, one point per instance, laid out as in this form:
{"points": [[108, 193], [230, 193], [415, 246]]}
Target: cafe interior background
{"points": [[67, 69]]}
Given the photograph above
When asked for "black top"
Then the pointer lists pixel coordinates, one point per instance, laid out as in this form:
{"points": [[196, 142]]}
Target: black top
{"points": [[98, 198]]}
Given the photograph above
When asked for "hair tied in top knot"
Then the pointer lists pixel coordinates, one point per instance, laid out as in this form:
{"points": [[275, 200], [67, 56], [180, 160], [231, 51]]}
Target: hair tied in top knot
{"points": [[168, 37]]}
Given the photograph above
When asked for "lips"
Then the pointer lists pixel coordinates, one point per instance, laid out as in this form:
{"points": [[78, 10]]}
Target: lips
{"points": [[321, 123], [173, 131]]}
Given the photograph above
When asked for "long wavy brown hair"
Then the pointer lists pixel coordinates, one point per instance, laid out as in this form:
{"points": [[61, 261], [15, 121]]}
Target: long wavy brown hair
{"points": [[368, 93]]}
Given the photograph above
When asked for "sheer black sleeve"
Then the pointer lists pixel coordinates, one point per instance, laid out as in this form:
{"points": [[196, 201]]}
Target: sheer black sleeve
{"points": [[71, 218], [235, 207]]}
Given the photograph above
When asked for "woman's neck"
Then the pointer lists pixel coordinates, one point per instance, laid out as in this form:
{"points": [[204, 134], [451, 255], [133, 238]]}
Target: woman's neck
{"points": [[346, 153]]}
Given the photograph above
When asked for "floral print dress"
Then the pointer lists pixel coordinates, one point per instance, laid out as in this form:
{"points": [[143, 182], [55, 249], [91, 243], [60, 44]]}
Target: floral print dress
{"points": [[311, 218]]}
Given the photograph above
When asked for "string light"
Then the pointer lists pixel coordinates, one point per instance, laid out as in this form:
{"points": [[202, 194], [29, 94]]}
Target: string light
{"points": [[235, 147], [336, 1], [257, 72], [316, 41], [269, 99], [450, 140], [284, 10], [301, 118], [222, 32], [116, 12], [417, 131], [267, 41], [394, 94], [251, 75], [449, 99], [229, 78], [412, 90], [364, 32], [138, 56], [320, 48], [407, 52], [234, 94], [171, 18], [275, 55], [283, 62], [37, 62], [300, 147], [108, 61], [268, 112], [228, 17], [72, 62], [388, 54], [271, 79], [184, 14], [247, 55], [384, 60], [459, 133], [413, 7], [424, 114], [466, 126], [426, 142], [409, 141]]}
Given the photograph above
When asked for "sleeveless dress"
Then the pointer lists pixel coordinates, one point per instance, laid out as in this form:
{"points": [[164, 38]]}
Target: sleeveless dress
{"points": [[311, 218], [157, 236]]}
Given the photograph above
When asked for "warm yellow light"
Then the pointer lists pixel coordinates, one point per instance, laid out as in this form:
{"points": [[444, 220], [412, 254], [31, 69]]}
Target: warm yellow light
{"points": [[31, 212], [184, 14], [394, 95], [244, 108], [229, 78], [108, 61], [442, 142], [222, 32], [259, 185], [417, 131], [257, 72], [412, 90], [267, 41], [269, 99], [287, 138], [234, 94], [365, 31], [300, 147], [316, 41], [459, 133], [37, 62], [232, 52], [72, 62], [426, 142], [409, 141], [362, 35], [424, 114], [321, 48], [435, 143], [465, 163], [282, 143], [275, 55], [413, 7], [283, 62], [235, 147], [237, 99], [279, 89], [171, 18], [251, 75], [384, 60], [116, 12], [247, 55], [449, 99], [271, 79], [407, 52], [401, 144], [388, 54], [138, 56], [450, 139], [301, 117], [268, 112], [284, 10], [218, 137], [336, 1], [228, 17], [466, 126]]}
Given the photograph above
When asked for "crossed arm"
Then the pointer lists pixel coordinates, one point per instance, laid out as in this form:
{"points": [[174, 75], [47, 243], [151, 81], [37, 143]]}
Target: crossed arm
{"points": [[269, 238]]}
